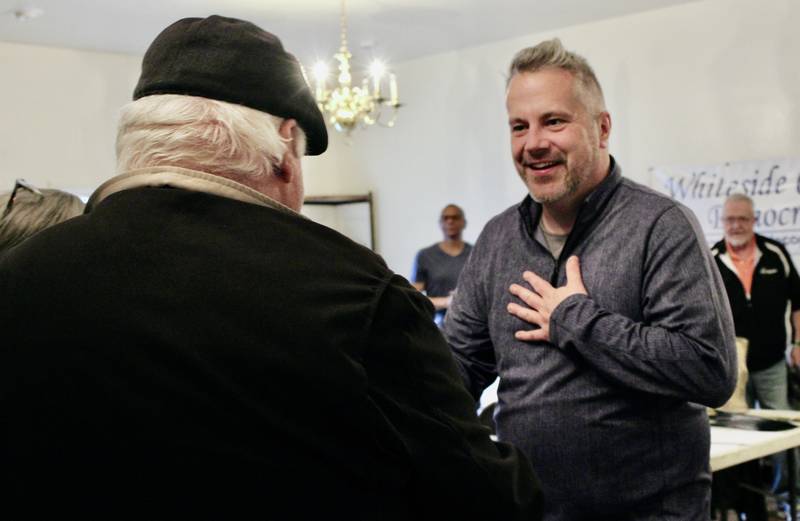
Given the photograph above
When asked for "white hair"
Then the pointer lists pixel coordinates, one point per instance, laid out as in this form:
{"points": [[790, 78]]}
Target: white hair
{"points": [[738, 197], [202, 134]]}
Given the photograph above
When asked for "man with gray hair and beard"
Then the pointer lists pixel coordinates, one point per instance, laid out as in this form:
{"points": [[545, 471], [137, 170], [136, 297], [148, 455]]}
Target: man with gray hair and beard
{"points": [[598, 305], [193, 348], [763, 289]]}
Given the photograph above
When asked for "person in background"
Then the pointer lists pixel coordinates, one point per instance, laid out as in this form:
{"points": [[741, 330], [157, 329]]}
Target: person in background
{"points": [[436, 268], [597, 302], [193, 347], [28, 210], [763, 289]]}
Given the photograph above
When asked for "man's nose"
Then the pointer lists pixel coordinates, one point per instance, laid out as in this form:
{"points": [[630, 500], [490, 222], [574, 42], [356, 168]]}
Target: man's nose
{"points": [[536, 142]]}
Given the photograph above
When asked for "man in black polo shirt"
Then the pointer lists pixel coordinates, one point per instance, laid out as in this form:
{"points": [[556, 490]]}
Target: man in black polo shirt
{"points": [[764, 292]]}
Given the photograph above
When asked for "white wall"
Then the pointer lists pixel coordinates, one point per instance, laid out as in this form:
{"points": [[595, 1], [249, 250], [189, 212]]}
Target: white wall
{"points": [[58, 117], [58, 110], [704, 82]]}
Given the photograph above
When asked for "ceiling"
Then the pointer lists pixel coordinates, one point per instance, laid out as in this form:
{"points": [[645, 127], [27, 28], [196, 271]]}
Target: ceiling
{"points": [[395, 30]]}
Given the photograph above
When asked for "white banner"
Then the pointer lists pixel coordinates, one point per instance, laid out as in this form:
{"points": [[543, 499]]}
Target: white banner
{"points": [[774, 186]]}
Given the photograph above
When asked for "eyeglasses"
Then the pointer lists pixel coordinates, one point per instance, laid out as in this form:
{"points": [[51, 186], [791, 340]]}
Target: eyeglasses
{"points": [[19, 183], [738, 220]]}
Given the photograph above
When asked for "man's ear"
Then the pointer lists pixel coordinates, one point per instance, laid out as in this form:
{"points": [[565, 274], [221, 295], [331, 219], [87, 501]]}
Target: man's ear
{"points": [[288, 167], [605, 128]]}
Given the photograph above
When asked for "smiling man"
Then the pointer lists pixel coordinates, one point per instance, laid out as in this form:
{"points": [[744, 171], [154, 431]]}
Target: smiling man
{"points": [[597, 303]]}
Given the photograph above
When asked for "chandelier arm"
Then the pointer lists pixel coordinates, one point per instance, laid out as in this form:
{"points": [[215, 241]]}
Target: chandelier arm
{"points": [[343, 25]]}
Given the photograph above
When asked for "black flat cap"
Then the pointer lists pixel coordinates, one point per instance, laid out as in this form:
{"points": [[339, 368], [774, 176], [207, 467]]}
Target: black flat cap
{"points": [[235, 61]]}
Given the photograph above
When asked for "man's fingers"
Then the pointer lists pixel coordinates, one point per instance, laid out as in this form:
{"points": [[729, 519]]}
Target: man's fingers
{"points": [[527, 314], [539, 285], [527, 296], [574, 278], [535, 335]]}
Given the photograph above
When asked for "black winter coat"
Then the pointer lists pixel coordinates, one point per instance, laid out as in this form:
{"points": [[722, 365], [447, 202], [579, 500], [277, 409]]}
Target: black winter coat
{"points": [[176, 352]]}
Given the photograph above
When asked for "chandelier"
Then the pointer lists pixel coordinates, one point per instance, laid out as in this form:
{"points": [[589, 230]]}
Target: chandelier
{"points": [[347, 107]]}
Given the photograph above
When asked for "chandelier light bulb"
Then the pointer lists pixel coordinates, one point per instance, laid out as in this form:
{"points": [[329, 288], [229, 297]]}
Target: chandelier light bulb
{"points": [[321, 71], [376, 70]]}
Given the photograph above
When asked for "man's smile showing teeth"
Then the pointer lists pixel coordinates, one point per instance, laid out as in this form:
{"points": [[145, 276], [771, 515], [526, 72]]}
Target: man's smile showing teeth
{"points": [[543, 165]]}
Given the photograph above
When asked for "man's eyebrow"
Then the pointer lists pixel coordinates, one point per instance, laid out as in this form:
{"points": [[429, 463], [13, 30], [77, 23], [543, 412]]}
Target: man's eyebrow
{"points": [[555, 113]]}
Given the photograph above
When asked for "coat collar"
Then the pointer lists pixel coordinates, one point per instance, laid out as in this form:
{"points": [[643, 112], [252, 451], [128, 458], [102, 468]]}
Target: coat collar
{"points": [[177, 177]]}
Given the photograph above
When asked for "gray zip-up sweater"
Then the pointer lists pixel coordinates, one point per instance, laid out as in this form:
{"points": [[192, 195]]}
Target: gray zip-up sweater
{"points": [[608, 410]]}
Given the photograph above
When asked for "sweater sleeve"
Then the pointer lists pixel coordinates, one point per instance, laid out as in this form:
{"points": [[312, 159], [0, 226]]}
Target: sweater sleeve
{"points": [[466, 325], [415, 383], [684, 347]]}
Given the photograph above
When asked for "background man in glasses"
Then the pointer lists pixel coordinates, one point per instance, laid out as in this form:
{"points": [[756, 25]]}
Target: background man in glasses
{"points": [[437, 267], [764, 292]]}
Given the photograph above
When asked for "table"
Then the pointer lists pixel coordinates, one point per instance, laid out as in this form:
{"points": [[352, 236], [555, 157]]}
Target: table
{"points": [[733, 446], [730, 447]]}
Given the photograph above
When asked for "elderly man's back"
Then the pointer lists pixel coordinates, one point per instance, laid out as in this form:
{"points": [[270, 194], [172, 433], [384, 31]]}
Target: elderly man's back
{"points": [[183, 351]]}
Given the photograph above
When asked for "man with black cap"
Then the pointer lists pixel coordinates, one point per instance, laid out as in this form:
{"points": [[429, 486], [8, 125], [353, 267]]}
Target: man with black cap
{"points": [[193, 346]]}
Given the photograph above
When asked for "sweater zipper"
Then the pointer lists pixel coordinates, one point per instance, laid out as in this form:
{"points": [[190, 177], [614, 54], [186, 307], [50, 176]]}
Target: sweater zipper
{"points": [[554, 275]]}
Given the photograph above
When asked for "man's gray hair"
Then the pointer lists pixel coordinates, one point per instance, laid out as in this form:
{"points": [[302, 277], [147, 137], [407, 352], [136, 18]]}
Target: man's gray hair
{"points": [[30, 213], [739, 197], [212, 136], [551, 54]]}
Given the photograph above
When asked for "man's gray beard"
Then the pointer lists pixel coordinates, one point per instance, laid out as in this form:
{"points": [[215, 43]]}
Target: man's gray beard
{"points": [[737, 243], [571, 183]]}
